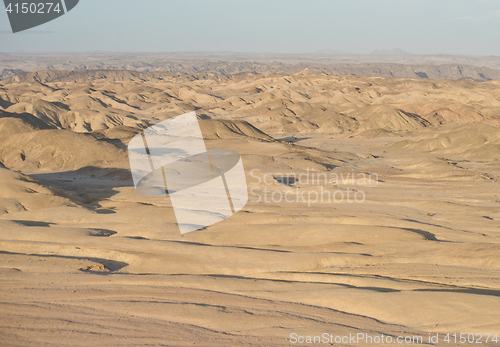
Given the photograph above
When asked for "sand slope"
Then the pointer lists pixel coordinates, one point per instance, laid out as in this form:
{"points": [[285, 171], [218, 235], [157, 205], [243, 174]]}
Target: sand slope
{"points": [[85, 259]]}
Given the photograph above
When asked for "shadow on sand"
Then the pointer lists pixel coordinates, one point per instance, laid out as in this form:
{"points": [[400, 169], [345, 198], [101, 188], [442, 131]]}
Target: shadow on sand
{"points": [[88, 184]]}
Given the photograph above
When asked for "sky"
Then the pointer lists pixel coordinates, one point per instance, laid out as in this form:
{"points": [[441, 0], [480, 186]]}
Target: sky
{"points": [[469, 27]]}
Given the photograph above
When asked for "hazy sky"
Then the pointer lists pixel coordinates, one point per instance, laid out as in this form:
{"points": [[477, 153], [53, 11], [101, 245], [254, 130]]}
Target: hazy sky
{"points": [[281, 26]]}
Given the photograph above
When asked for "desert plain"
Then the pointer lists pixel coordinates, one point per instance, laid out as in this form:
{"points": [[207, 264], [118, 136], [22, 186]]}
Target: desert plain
{"points": [[85, 260]]}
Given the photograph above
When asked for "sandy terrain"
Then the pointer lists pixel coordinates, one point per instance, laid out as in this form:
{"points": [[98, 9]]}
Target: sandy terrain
{"points": [[412, 247]]}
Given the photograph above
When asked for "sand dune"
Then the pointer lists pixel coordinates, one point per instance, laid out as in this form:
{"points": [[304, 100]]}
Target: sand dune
{"points": [[47, 150], [226, 129], [476, 141], [87, 259], [15, 123], [388, 118], [304, 102], [22, 193]]}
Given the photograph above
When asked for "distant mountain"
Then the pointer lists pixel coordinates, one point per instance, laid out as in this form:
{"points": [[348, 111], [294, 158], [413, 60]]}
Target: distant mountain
{"points": [[190, 66], [332, 51], [197, 70], [395, 51]]}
